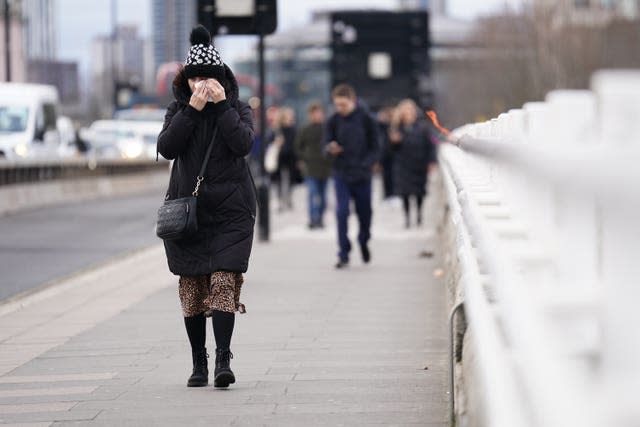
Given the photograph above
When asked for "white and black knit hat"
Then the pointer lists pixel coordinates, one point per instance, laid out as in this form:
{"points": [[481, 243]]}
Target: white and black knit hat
{"points": [[203, 59]]}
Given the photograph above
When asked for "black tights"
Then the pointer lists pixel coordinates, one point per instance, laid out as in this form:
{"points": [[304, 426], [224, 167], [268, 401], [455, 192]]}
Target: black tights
{"points": [[405, 204], [223, 324]]}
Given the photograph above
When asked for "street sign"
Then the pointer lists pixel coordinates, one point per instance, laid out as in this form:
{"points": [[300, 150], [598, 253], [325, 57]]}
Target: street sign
{"points": [[222, 17], [383, 55]]}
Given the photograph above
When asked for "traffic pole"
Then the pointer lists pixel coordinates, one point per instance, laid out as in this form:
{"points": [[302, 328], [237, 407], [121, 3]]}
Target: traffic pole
{"points": [[7, 40], [263, 184]]}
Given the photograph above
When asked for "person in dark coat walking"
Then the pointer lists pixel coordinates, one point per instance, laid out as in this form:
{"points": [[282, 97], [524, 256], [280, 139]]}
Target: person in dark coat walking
{"points": [[210, 264], [386, 158], [415, 155], [287, 174], [313, 164], [352, 139]]}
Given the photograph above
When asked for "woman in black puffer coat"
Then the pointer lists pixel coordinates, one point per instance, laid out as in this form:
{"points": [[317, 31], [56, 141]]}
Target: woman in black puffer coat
{"points": [[414, 156], [210, 264]]}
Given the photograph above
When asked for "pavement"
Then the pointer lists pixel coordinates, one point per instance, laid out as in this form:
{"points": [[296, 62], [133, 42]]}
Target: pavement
{"points": [[317, 347]]}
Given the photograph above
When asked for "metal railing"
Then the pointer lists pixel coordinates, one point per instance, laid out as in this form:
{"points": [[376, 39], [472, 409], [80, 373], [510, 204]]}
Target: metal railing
{"points": [[545, 202], [25, 171]]}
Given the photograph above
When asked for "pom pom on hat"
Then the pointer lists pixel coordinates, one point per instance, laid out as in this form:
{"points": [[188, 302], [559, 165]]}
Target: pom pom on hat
{"points": [[200, 35]]}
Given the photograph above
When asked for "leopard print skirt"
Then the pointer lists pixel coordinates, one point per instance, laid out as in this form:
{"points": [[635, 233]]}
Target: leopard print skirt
{"points": [[217, 291]]}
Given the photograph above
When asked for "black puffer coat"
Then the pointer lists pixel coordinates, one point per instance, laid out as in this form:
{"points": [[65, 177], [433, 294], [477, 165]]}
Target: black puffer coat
{"points": [[411, 160], [226, 202]]}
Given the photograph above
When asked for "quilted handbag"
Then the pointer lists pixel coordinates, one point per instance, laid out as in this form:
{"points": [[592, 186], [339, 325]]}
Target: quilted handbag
{"points": [[177, 218]]}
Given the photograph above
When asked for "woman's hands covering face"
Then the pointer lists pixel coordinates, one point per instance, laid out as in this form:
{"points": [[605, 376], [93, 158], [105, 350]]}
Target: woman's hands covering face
{"points": [[207, 90]]}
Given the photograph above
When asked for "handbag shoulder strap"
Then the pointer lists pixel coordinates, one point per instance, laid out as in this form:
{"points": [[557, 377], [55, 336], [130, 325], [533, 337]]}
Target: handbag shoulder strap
{"points": [[203, 168]]}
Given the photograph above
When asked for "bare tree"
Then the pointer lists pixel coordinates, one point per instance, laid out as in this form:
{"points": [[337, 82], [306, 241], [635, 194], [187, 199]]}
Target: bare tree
{"points": [[518, 57]]}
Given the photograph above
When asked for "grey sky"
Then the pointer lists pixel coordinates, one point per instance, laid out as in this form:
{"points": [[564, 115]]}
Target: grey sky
{"points": [[80, 20]]}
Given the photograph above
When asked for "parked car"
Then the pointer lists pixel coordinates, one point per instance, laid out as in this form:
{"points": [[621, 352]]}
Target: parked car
{"points": [[141, 115], [123, 139]]}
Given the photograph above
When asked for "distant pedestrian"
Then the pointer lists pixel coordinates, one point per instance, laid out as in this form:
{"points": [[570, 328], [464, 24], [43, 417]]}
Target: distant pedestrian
{"points": [[415, 155], [314, 165], [386, 158], [210, 264], [286, 174], [271, 151], [352, 139]]}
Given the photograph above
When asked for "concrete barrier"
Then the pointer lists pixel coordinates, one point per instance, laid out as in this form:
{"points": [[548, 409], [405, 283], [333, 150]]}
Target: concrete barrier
{"points": [[18, 197]]}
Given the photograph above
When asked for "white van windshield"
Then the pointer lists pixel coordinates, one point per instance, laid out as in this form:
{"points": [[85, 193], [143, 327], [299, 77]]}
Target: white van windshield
{"points": [[13, 118]]}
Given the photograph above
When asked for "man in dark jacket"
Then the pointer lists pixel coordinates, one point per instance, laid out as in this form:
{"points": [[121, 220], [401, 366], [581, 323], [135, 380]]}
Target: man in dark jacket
{"points": [[314, 165], [352, 139]]}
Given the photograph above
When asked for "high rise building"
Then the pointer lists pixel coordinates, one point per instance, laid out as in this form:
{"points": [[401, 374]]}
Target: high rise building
{"points": [[172, 21], [129, 54], [39, 44], [15, 46], [128, 65], [61, 74], [39, 29]]}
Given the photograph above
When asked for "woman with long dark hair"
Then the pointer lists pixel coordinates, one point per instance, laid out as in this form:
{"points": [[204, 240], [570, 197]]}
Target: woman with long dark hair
{"points": [[206, 110]]}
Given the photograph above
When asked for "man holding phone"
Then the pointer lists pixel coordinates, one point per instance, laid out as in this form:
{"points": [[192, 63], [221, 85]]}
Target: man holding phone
{"points": [[352, 139]]}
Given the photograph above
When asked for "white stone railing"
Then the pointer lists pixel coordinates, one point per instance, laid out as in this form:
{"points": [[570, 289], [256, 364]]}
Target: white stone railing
{"points": [[545, 203]]}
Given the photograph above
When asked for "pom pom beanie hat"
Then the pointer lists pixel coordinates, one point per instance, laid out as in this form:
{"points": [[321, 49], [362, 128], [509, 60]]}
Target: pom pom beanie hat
{"points": [[203, 59]]}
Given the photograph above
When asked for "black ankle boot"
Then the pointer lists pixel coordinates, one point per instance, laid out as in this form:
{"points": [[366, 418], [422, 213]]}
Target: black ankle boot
{"points": [[200, 375], [223, 373]]}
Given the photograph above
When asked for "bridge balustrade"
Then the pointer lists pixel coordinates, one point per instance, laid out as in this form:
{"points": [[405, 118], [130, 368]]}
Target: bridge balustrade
{"points": [[543, 211]]}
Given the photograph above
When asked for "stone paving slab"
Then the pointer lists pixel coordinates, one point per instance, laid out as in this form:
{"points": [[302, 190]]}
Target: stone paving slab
{"points": [[85, 417], [318, 347], [44, 424]]}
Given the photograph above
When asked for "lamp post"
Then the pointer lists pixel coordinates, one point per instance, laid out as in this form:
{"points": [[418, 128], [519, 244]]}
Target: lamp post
{"points": [[230, 17], [263, 185], [113, 75]]}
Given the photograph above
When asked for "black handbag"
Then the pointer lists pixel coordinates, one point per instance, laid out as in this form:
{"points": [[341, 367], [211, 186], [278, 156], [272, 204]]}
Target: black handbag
{"points": [[177, 218]]}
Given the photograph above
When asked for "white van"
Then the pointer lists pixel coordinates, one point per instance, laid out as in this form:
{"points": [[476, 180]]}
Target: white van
{"points": [[28, 121]]}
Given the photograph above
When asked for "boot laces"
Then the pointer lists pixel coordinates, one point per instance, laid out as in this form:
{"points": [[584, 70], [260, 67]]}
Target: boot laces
{"points": [[224, 357], [202, 358]]}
